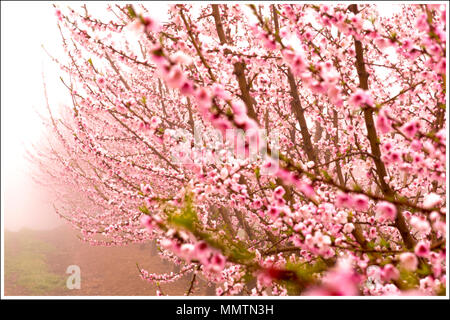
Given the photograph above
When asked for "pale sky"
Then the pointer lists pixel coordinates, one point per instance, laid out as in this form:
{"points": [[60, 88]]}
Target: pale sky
{"points": [[24, 27]]}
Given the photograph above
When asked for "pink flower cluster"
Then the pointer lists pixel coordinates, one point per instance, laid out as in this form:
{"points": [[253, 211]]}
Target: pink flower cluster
{"points": [[211, 259]]}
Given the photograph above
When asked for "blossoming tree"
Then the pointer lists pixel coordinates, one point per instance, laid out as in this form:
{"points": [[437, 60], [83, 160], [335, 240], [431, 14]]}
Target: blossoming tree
{"points": [[270, 149]]}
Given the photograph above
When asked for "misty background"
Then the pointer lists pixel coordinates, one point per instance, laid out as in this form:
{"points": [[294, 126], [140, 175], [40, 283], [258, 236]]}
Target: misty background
{"points": [[25, 26]]}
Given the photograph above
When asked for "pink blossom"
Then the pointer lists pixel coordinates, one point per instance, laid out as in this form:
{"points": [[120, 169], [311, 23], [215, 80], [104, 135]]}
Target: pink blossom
{"points": [[408, 261], [333, 93], [360, 202], [216, 262], [187, 88], [270, 44], [422, 249], [279, 192], [340, 281], [58, 14], [306, 188], [147, 222], [360, 98], [144, 126], [416, 145], [381, 43], [420, 225], [150, 24], [421, 23], [390, 272], [250, 124], [146, 188], [344, 200], [155, 121], [256, 204], [409, 129], [372, 233], [386, 210], [264, 277], [175, 78], [387, 146], [187, 251], [348, 228], [298, 64], [274, 212], [395, 156], [441, 66], [383, 123], [431, 200], [181, 58], [101, 81], [203, 98], [201, 250], [442, 135], [239, 108]]}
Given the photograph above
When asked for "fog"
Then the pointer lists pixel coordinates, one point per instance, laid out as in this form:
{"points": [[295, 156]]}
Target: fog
{"points": [[25, 26]]}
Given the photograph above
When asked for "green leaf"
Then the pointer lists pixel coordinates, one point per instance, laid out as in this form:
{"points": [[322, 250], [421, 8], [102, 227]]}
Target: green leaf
{"points": [[158, 52], [384, 243], [306, 271], [408, 279], [131, 12], [188, 216], [240, 253], [257, 172], [248, 277], [144, 209], [424, 270], [326, 175], [442, 291]]}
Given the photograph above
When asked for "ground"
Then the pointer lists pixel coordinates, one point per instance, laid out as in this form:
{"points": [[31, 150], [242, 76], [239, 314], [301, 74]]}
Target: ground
{"points": [[36, 264]]}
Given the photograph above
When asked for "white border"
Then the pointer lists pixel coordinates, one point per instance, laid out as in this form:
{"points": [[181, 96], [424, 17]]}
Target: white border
{"points": [[260, 298]]}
